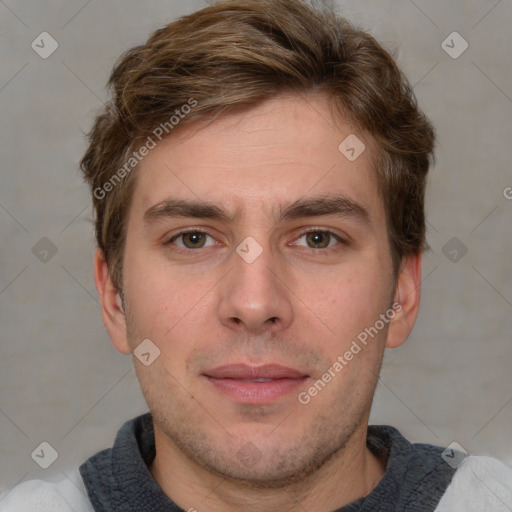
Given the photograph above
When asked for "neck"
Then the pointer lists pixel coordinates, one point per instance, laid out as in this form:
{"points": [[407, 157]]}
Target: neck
{"points": [[350, 474]]}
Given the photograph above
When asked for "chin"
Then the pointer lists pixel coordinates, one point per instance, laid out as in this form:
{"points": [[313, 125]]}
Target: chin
{"points": [[279, 468]]}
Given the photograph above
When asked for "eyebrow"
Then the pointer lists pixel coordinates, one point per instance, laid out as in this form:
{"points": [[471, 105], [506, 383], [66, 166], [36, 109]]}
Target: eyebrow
{"points": [[338, 205]]}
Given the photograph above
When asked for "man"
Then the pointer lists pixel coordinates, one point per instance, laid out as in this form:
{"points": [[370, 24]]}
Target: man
{"points": [[258, 181]]}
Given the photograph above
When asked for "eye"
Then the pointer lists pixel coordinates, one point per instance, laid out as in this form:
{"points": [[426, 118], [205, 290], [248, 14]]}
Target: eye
{"points": [[319, 239], [195, 239]]}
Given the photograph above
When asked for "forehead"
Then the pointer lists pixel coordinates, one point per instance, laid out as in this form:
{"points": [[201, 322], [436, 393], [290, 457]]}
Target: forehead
{"points": [[253, 162]]}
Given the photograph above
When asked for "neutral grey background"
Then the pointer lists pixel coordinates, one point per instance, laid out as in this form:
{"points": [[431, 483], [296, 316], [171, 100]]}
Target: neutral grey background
{"points": [[60, 379]]}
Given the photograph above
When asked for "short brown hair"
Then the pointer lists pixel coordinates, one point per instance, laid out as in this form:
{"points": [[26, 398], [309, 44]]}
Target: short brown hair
{"points": [[236, 54]]}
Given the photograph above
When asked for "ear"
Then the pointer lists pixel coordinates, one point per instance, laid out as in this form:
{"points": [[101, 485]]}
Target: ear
{"points": [[407, 300], [111, 307]]}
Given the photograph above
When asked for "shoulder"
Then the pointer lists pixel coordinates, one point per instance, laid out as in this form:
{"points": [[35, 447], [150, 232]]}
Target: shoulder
{"points": [[67, 495], [480, 483]]}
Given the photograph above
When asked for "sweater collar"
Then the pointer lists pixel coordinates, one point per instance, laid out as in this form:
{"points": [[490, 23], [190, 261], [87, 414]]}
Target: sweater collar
{"points": [[119, 480]]}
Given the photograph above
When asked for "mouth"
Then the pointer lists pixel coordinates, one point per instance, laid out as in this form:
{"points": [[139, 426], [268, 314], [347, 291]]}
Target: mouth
{"points": [[255, 385]]}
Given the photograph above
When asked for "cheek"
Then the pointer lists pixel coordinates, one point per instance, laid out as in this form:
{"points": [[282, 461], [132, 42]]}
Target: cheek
{"points": [[166, 306], [154, 296], [351, 299]]}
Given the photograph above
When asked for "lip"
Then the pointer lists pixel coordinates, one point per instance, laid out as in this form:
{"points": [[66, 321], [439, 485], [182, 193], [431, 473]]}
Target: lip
{"points": [[239, 382]]}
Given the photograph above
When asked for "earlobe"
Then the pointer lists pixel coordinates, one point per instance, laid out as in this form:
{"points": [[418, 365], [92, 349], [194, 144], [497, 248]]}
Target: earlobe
{"points": [[111, 304], [407, 299]]}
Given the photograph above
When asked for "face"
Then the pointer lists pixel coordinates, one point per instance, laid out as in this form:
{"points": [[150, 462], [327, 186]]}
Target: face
{"points": [[256, 254]]}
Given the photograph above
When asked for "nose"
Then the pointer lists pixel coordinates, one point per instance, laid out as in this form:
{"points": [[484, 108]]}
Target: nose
{"points": [[254, 296]]}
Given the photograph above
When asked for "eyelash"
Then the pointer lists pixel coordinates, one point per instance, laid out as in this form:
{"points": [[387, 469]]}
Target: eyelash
{"points": [[340, 240]]}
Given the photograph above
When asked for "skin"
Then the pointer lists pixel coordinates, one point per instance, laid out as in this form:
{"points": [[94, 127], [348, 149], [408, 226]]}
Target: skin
{"points": [[298, 304]]}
